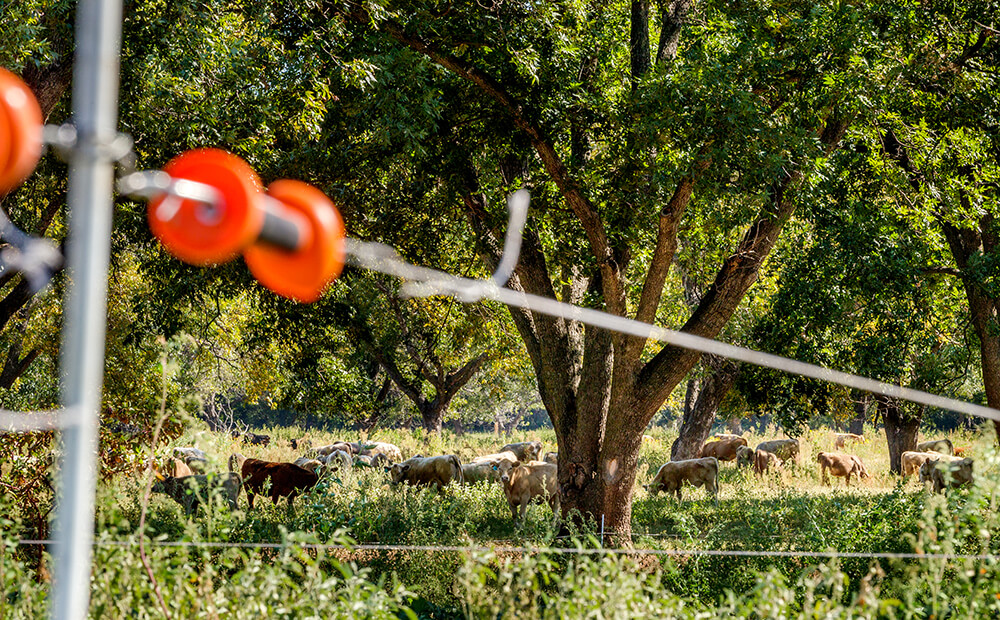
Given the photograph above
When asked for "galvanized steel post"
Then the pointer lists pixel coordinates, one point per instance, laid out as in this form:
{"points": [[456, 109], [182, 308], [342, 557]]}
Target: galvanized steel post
{"points": [[91, 178]]}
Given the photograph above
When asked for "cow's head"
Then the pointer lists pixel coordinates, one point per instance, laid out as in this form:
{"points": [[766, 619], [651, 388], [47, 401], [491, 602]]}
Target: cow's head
{"points": [[506, 469], [398, 471]]}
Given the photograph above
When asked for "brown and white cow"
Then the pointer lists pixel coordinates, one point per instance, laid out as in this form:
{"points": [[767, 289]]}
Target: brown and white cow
{"points": [[524, 482], [697, 472], [436, 471], [840, 465]]}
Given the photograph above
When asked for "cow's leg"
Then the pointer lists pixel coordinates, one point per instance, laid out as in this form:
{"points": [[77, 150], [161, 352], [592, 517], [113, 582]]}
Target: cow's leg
{"points": [[513, 511], [826, 479]]}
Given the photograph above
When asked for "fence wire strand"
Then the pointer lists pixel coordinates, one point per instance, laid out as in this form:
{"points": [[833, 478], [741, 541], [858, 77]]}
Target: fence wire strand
{"points": [[542, 550]]}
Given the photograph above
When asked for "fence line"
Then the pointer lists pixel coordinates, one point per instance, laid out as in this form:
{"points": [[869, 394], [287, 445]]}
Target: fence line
{"points": [[542, 550]]}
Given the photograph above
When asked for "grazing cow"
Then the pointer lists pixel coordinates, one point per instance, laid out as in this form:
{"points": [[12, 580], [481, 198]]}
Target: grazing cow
{"points": [[252, 438], [305, 462], [478, 472], [551, 457], [942, 446], [763, 461], [842, 439], [302, 443], [496, 457], [744, 456], [343, 446], [524, 451], [337, 461], [379, 460], [525, 481], [784, 449], [286, 479], [696, 472], [186, 452], [373, 448], [236, 462], [723, 449], [912, 460], [943, 474], [175, 468], [725, 436], [841, 465], [190, 491], [196, 459], [432, 470]]}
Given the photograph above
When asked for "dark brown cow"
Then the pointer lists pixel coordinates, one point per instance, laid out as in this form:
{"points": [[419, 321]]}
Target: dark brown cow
{"points": [[286, 479]]}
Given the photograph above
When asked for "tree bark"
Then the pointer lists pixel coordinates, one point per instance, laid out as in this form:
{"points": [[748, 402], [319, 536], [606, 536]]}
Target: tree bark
{"points": [[697, 425], [900, 431], [857, 423]]}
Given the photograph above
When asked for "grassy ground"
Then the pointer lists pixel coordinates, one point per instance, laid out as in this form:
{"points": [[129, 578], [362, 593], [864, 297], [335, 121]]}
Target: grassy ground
{"points": [[788, 511]]}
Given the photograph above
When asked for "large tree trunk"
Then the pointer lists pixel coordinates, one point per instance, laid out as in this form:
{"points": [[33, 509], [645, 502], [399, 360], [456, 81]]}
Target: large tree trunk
{"points": [[900, 431], [857, 423], [432, 417], [697, 425]]}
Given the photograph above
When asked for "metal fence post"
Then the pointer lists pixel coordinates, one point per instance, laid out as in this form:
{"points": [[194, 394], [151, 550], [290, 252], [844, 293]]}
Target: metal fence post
{"points": [[91, 178]]}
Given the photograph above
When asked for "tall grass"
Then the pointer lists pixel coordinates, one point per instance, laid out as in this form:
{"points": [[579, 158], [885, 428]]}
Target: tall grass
{"points": [[793, 511]]}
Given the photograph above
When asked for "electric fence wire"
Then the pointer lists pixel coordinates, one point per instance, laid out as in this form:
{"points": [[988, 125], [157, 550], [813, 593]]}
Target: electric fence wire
{"points": [[541, 550]]}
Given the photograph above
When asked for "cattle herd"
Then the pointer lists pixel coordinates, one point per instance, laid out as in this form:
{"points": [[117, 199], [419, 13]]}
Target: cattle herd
{"points": [[525, 473]]}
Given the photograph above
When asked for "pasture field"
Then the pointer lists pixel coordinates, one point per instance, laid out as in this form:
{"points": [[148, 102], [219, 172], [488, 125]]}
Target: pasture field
{"points": [[208, 566]]}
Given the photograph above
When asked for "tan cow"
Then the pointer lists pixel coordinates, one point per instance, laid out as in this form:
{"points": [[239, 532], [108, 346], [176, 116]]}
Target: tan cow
{"points": [[479, 472], [305, 462], [524, 451], [551, 457], [696, 472], [763, 461], [175, 468], [943, 474], [496, 457], [524, 482], [744, 457], [842, 439], [841, 465], [436, 471], [937, 445], [785, 449], [723, 449], [337, 462], [912, 461], [374, 448], [328, 449], [724, 436]]}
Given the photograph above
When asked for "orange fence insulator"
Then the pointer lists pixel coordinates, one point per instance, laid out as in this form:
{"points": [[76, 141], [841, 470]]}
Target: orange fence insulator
{"points": [[20, 131]]}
